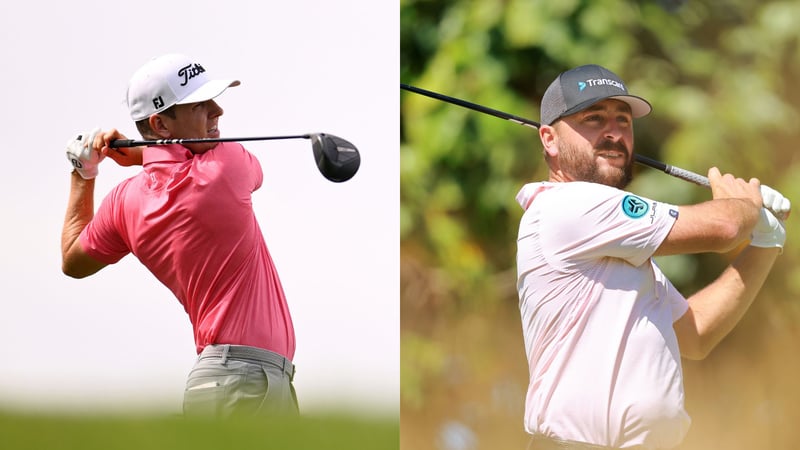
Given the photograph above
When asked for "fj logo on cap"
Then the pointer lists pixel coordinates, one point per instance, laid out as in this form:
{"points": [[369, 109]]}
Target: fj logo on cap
{"points": [[189, 72], [158, 102]]}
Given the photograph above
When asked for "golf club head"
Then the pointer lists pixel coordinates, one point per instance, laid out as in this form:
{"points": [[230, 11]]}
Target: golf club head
{"points": [[338, 160]]}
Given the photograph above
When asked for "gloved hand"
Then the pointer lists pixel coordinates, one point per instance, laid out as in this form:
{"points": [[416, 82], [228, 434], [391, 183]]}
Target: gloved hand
{"points": [[775, 202], [769, 231], [81, 154]]}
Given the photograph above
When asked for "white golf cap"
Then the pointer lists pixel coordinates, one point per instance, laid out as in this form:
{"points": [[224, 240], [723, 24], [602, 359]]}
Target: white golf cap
{"points": [[168, 80]]}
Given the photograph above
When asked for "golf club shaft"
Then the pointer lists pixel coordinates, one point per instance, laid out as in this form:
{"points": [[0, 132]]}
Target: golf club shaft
{"points": [[472, 106], [117, 143], [666, 168]]}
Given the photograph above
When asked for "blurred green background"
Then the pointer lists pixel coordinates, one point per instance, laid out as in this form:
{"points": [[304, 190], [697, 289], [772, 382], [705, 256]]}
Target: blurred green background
{"points": [[722, 78], [38, 431]]}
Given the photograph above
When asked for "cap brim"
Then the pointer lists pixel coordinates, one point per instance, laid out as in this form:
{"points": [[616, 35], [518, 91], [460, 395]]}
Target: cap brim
{"points": [[208, 91], [639, 106]]}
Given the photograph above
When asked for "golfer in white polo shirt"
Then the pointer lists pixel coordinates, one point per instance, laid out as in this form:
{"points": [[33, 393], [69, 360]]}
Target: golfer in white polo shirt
{"points": [[604, 329]]}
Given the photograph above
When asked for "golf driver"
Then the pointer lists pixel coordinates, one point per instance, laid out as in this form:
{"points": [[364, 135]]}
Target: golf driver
{"points": [[337, 159], [666, 168]]}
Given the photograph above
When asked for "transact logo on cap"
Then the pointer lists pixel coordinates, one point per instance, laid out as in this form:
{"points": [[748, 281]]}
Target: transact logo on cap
{"points": [[600, 82], [634, 207]]}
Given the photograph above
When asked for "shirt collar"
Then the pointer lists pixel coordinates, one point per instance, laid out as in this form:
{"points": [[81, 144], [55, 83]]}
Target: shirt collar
{"points": [[166, 153]]}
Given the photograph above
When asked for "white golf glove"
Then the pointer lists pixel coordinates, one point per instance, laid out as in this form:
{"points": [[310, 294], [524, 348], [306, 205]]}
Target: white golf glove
{"points": [[81, 154], [775, 202], [769, 231]]}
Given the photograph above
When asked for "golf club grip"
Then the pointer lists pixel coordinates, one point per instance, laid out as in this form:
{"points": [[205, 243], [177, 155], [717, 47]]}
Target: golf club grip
{"points": [[688, 175], [676, 172], [119, 143]]}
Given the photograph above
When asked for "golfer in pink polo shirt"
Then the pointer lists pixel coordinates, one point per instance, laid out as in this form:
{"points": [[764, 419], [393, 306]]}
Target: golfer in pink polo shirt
{"points": [[188, 217]]}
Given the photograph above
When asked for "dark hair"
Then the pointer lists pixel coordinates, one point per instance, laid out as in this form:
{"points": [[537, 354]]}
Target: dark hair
{"points": [[144, 125]]}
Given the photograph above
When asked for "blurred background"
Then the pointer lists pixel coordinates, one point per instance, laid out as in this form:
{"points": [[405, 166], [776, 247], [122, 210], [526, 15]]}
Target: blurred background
{"points": [[721, 76]]}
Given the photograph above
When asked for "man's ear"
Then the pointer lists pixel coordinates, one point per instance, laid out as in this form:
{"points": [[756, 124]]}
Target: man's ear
{"points": [[158, 126], [549, 140]]}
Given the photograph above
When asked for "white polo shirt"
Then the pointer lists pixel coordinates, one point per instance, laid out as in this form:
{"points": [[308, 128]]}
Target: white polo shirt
{"points": [[597, 317]]}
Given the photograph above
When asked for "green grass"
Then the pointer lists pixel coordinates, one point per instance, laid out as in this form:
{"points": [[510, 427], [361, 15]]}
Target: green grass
{"points": [[87, 432]]}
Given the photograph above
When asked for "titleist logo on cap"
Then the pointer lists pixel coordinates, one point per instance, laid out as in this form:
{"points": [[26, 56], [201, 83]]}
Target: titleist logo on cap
{"points": [[190, 71], [600, 82]]}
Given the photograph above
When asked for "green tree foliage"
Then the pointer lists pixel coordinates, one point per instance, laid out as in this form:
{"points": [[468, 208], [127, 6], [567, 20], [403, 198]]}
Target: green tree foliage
{"points": [[721, 76]]}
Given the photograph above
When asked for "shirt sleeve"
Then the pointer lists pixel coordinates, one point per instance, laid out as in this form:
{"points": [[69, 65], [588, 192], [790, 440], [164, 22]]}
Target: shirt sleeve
{"points": [[677, 302], [241, 167], [100, 239], [589, 221]]}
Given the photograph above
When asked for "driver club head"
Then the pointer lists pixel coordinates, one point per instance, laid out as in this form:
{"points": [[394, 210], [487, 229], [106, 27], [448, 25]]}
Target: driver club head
{"points": [[338, 160]]}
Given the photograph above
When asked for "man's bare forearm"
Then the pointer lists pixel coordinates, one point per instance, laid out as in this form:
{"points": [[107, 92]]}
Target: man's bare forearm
{"points": [[717, 308], [80, 210]]}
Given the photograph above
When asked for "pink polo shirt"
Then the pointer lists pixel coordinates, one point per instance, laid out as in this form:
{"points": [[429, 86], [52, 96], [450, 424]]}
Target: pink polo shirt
{"points": [[190, 220]]}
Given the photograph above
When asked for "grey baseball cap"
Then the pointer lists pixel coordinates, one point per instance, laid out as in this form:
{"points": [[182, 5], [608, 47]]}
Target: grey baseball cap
{"points": [[582, 87]]}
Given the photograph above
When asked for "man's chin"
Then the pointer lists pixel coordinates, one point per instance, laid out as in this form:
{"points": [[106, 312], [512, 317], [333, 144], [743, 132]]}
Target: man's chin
{"points": [[616, 177]]}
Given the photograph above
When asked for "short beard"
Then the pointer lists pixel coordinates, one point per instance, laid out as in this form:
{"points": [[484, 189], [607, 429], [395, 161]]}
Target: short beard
{"points": [[582, 166]]}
